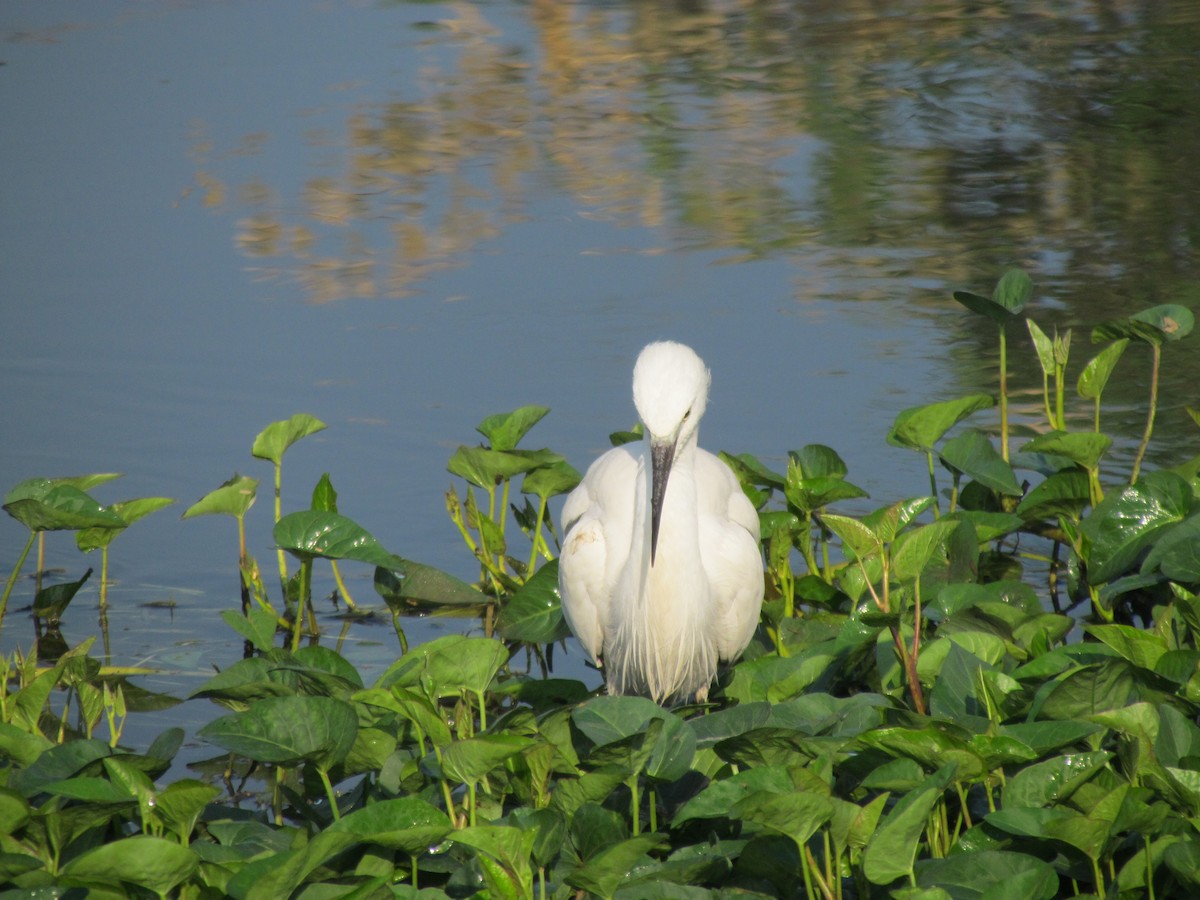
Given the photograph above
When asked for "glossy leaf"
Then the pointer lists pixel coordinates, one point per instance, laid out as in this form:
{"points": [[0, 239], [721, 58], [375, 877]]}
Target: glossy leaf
{"points": [[273, 441], [534, 614], [1127, 521], [46, 505], [403, 583], [130, 511]]}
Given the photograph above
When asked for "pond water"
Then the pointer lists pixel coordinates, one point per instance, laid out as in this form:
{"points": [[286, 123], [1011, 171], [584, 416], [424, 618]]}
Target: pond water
{"points": [[403, 217]]}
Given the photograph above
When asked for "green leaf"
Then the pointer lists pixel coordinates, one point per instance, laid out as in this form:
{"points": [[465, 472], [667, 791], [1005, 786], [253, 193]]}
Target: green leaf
{"points": [[485, 468], [233, 498], [314, 533], [1085, 448], [273, 441], [180, 804], [509, 848], [470, 761], [893, 847], [505, 430], [405, 824], [1177, 552], [1142, 648], [404, 583], [550, 481], [796, 814], [1156, 326], [1062, 493], [914, 549], [718, 799], [1095, 375], [51, 602], [920, 427], [855, 536], [257, 626], [1127, 521], [153, 863], [1008, 298], [605, 871], [42, 504], [972, 454], [609, 719], [990, 875], [288, 731], [129, 511], [534, 614], [449, 664], [1043, 345], [324, 497]]}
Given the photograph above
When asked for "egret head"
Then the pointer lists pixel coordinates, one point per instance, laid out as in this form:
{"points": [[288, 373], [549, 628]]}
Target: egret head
{"points": [[670, 390]]}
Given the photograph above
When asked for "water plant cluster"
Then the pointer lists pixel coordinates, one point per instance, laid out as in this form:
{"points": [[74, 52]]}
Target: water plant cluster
{"points": [[919, 717]]}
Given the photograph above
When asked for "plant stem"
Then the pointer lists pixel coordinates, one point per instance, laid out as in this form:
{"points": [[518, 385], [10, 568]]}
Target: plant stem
{"points": [[12, 578], [937, 506], [1141, 451], [103, 577], [1003, 391], [329, 794], [341, 586]]}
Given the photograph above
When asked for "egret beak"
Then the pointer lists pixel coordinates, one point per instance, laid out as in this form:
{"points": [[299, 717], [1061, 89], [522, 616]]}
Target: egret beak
{"points": [[662, 454]]}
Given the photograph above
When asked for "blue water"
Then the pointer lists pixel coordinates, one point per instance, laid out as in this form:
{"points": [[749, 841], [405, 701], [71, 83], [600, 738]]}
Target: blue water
{"points": [[402, 218]]}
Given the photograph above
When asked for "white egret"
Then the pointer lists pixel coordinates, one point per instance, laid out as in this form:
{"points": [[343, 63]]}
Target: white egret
{"points": [[660, 572]]}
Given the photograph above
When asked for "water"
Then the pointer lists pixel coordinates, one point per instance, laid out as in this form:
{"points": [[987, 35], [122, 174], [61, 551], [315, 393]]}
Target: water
{"points": [[405, 217]]}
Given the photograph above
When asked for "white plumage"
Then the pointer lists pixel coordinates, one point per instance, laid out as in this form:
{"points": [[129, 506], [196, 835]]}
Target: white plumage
{"points": [[660, 572]]}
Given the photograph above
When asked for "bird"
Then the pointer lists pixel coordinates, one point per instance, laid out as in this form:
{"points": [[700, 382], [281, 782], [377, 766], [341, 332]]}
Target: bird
{"points": [[660, 573]]}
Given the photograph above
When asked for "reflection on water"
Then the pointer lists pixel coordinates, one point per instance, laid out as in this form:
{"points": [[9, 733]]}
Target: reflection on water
{"points": [[949, 138], [850, 163]]}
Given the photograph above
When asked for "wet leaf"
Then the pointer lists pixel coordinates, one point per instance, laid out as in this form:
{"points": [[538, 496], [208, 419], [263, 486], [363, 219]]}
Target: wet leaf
{"points": [[1127, 521], [46, 505], [534, 614]]}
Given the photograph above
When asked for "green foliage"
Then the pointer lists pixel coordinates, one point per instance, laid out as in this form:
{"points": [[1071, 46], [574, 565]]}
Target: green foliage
{"points": [[921, 716]]}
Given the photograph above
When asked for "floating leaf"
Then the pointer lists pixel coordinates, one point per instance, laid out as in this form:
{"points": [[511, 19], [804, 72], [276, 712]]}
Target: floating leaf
{"points": [[273, 441]]}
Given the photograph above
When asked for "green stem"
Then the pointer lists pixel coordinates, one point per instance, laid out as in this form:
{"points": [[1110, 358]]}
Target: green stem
{"points": [[537, 537], [1059, 379], [1141, 452], [635, 801], [283, 573], [103, 577], [329, 794], [937, 506], [341, 586], [12, 578], [1003, 391]]}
